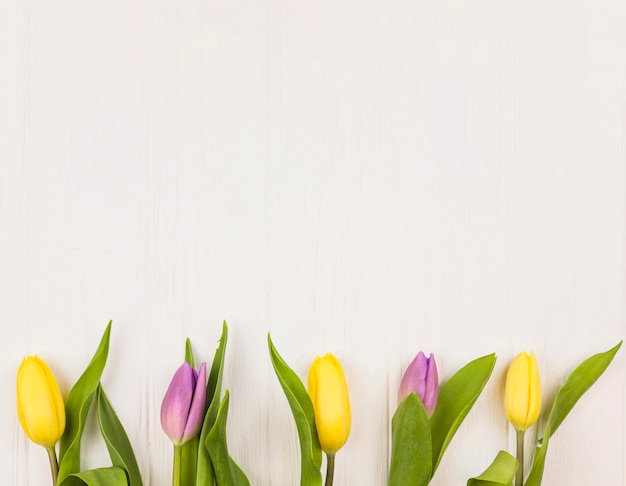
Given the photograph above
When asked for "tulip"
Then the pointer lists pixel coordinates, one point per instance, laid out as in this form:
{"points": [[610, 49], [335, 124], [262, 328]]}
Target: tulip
{"points": [[329, 393], [421, 378], [522, 401], [523, 391], [40, 407], [182, 410]]}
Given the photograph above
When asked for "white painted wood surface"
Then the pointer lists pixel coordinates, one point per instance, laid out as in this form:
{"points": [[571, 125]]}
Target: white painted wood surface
{"points": [[361, 177]]}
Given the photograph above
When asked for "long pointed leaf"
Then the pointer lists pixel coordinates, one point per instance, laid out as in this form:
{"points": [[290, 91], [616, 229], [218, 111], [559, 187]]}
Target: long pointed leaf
{"points": [[189, 353], [578, 382], [302, 410], [77, 407], [218, 450], [411, 445], [116, 439], [189, 450], [456, 398], [205, 476], [500, 472]]}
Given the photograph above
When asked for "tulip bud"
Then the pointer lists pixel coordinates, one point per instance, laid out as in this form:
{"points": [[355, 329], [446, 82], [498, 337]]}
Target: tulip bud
{"points": [[182, 410], [40, 405], [329, 393], [522, 395], [421, 378]]}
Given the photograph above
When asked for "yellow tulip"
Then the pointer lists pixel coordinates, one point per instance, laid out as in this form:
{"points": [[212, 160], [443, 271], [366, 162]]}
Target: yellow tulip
{"points": [[522, 394], [329, 393], [40, 405]]}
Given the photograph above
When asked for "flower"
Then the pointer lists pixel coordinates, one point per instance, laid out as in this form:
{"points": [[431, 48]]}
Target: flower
{"points": [[40, 405], [522, 395], [421, 377], [329, 393], [182, 410]]}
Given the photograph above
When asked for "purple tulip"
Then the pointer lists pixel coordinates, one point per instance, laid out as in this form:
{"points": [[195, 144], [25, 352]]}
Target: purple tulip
{"points": [[421, 377], [182, 410]]}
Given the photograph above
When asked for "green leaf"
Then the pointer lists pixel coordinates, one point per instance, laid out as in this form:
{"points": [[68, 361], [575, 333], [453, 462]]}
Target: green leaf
{"points": [[501, 472], [106, 476], [116, 439], [205, 476], [411, 445], [456, 398], [217, 446], [578, 382], [189, 450], [77, 407], [302, 410], [189, 353], [238, 475]]}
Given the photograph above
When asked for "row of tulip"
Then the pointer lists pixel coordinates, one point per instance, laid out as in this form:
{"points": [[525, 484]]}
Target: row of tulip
{"points": [[194, 413]]}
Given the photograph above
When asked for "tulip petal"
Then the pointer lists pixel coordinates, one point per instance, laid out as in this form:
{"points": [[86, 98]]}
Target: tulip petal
{"points": [[414, 377], [534, 390], [196, 411], [177, 402], [431, 389]]}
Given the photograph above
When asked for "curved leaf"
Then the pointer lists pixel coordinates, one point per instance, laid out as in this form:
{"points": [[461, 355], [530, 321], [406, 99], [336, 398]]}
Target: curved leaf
{"points": [[77, 407], [500, 472], [302, 410], [116, 439], [411, 445], [456, 398], [217, 447], [106, 476], [205, 475], [578, 382]]}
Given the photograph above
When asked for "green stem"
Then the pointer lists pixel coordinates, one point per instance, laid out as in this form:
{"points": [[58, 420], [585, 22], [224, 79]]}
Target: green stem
{"points": [[54, 465], [330, 469], [519, 477], [177, 460]]}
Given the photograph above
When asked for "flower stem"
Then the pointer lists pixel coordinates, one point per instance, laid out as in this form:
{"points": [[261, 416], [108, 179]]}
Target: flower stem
{"points": [[330, 469], [519, 477], [177, 460], [54, 465]]}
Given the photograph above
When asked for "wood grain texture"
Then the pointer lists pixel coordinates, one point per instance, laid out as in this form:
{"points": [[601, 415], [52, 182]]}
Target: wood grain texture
{"points": [[357, 177]]}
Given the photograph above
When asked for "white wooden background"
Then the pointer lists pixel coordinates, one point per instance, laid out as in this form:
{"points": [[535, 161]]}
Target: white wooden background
{"points": [[362, 177]]}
